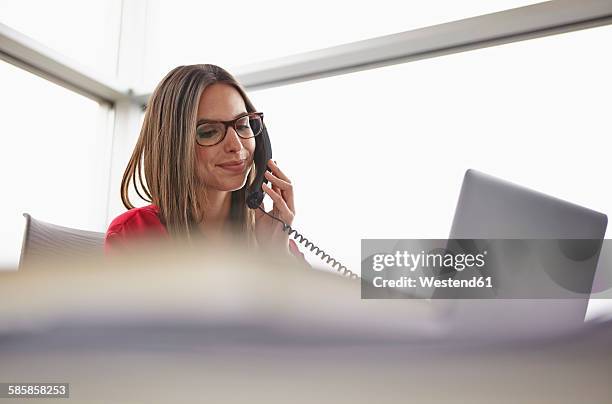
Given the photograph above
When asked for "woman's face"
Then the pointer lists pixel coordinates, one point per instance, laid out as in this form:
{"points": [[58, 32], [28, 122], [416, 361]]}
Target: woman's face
{"points": [[222, 102]]}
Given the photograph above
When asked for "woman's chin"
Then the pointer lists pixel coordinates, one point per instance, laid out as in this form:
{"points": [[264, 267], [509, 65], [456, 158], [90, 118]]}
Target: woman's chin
{"points": [[233, 185]]}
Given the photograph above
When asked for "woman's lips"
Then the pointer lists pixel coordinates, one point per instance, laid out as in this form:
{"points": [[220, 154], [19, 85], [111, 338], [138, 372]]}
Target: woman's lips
{"points": [[237, 167]]}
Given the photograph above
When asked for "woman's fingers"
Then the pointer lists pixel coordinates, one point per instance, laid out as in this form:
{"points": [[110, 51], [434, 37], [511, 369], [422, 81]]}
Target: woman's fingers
{"points": [[282, 184], [277, 171], [276, 196], [280, 180], [276, 189], [283, 188], [279, 202]]}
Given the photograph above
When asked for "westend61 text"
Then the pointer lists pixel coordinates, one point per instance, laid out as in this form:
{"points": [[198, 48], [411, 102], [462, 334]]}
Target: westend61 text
{"points": [[432, 282]]}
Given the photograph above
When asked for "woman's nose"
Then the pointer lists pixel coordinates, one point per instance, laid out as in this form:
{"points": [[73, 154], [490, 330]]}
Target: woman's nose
{"points": [[232, 140]]}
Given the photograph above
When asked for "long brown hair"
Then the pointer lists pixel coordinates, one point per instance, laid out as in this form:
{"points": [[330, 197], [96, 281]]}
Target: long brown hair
{"points": [[165, 150]]}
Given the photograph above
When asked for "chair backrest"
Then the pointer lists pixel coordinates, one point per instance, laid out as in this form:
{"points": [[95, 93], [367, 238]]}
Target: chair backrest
{"points": [[46, 240]]}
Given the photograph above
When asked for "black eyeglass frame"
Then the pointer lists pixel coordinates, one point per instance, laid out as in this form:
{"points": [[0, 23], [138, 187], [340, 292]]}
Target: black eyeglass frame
{"points": [[226, 124]]}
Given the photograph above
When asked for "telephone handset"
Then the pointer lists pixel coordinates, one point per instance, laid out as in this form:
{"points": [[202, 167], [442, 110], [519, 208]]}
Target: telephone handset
{"points": [[255, 195], [263, 153]]}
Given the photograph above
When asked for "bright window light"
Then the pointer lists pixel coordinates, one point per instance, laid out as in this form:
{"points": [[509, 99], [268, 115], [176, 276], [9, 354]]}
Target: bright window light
{"points": [[84, 31], [54, 158], [188, 32], [381, 153]]}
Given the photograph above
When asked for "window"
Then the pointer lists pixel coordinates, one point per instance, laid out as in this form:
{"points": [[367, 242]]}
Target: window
{"points": [[394, 142], [54, 158], [84, 31], [188, 32]]}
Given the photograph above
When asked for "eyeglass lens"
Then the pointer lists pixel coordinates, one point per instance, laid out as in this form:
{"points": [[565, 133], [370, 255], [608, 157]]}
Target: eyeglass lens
{"points": [[210, 133]]}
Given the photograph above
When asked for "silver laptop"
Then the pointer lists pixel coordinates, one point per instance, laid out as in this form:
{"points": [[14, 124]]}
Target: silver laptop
{"points": [[492, 208]]}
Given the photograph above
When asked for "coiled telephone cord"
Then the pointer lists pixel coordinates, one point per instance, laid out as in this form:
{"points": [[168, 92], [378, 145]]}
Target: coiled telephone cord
{"points": [[310, 245]]}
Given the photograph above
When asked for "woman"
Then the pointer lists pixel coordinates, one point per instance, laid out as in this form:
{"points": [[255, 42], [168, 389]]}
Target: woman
{"points": [[196, 148]]}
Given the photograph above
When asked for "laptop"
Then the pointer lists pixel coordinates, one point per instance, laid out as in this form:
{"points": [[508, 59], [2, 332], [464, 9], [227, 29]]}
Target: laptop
{"points": [[492, 208]]}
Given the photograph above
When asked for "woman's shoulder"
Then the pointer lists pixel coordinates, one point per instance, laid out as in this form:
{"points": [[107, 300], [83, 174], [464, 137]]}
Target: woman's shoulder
{"points": [[136, 216], [136, 221], [137, 224]]}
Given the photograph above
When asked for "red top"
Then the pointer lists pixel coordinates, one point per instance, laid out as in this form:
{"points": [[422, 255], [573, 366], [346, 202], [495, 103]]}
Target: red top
{"points": [[144, 222]]}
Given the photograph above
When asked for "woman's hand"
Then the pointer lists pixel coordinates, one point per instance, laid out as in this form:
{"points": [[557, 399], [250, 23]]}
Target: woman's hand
{"points": [[270, 232]]}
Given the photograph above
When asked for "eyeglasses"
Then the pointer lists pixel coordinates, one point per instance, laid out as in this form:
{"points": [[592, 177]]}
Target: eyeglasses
{"points": [[209, 133]]}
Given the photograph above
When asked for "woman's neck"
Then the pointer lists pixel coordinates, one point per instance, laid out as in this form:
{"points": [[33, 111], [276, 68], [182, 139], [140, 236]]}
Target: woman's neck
{"points": [[217, 208]]}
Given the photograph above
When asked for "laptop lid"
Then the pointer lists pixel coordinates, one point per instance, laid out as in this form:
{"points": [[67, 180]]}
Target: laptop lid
{"points": [[492, 208]]}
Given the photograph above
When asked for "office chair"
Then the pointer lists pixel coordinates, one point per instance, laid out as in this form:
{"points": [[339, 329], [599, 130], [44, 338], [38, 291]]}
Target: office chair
{"points": [[50, 241]]}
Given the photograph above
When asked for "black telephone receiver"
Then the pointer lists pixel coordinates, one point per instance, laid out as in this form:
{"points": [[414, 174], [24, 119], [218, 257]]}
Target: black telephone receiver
{"points": [[263, 153], [255, 196]]}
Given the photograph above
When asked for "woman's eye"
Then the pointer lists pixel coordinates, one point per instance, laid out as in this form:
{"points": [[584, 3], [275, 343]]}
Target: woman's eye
{"points": [[207, 133]]}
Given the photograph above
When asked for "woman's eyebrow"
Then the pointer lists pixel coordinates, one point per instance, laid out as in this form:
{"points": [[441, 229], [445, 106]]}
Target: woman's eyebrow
{"points": [[216, 120]]}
